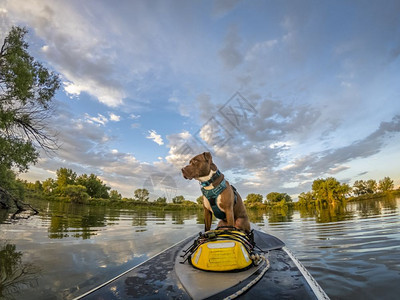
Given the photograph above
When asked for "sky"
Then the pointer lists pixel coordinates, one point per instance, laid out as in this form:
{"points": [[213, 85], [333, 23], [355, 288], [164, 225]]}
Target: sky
{"points": [[280, 92]]}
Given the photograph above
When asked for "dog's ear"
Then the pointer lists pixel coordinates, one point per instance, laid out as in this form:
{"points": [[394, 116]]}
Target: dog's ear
{"points": [[207, 156]]}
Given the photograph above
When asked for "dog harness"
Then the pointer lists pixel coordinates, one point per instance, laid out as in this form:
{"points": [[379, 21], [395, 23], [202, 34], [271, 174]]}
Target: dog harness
{"points": [[213, 194]]}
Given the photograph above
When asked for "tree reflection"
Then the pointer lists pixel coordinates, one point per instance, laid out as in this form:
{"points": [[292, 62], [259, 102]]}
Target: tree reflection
{"points": [[200, 216], [276, 215], [78, 221], [140, 218], [256, 215], [368, 208], [333, 213], [14, 274], [371, 207], [179, 216], [160, 214]]}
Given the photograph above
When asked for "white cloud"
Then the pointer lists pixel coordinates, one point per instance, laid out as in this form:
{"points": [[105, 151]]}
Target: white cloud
{"points": [[281, 144], [114, 117], [182, 146], [107, 95], [74, 46], [155, 137], [260, 49], [99, 120], [45, 48], [134, 117]]}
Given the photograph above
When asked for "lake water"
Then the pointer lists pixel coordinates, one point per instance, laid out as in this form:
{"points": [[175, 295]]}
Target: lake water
{"points": [[352, 251]]}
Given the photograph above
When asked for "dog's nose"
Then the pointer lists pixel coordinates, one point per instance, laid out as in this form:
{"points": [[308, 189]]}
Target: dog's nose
{"points": [[183, 173]]}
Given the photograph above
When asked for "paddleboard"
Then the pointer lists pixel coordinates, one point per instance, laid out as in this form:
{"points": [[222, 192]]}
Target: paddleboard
{"points": [[281, 276]]}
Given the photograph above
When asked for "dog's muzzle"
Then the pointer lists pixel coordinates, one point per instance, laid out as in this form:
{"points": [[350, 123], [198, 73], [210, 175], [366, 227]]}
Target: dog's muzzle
{"points": [[184, 174]]}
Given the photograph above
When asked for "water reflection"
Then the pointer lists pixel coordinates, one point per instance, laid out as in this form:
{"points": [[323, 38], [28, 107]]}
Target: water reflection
{"points": [[256, 216], [367, 208], [279, 215], [160, 215], [139, 218], [15, 275], [80, 221], [179, 216], [67, 220]]}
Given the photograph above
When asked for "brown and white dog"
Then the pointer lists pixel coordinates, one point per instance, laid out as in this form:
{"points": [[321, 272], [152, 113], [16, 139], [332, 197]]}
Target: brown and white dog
{"points": [[202, 168]]}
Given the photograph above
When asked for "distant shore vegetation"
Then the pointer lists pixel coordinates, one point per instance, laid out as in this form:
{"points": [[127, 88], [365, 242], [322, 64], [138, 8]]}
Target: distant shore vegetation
{"points": [[325, 192], [90, 189]]}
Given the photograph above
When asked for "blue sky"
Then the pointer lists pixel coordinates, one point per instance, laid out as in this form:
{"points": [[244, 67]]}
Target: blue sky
{"points": [[281, 92]]}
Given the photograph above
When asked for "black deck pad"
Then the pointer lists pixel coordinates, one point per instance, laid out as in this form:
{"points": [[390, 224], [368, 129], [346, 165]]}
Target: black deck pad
{"points": [[267, 242]]}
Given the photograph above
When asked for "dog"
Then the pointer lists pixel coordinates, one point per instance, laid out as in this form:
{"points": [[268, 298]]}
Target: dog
{"points": [[219, 197]]}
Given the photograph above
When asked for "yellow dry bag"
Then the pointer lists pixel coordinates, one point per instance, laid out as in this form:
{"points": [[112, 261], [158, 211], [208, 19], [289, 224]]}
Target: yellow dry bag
{"points": [[225, 251]]}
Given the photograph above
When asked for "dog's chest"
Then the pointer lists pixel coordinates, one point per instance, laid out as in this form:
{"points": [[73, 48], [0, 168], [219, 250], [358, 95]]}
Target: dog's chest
{"points": [[208, 205]]}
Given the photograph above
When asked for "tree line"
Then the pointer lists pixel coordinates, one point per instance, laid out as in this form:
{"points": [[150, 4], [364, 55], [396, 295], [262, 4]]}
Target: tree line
{"points": [[327, 191], [68, 186]]}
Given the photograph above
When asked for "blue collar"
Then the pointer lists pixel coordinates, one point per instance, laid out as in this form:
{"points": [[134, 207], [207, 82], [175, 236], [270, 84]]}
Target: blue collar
{"points": [[209, 182]]}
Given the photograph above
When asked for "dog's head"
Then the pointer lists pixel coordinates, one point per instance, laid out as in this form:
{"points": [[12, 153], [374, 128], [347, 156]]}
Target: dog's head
{"points": [[199, 166]]}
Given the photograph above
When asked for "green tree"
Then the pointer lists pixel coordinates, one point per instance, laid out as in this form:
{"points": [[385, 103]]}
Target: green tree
{"points": [[35, 187], [94, 186], [329, 190], [188, 203], [178, 199], [26, 91], [199, 200], [65, 177], [161, 200], [346, 189], [77, 193], [275, 197], [141, 195], [38, 186], [254, 198], [10, 188], [386, 184], [306, 199], [371, 186], [114, 195], [360, 187], [49, 185]]}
